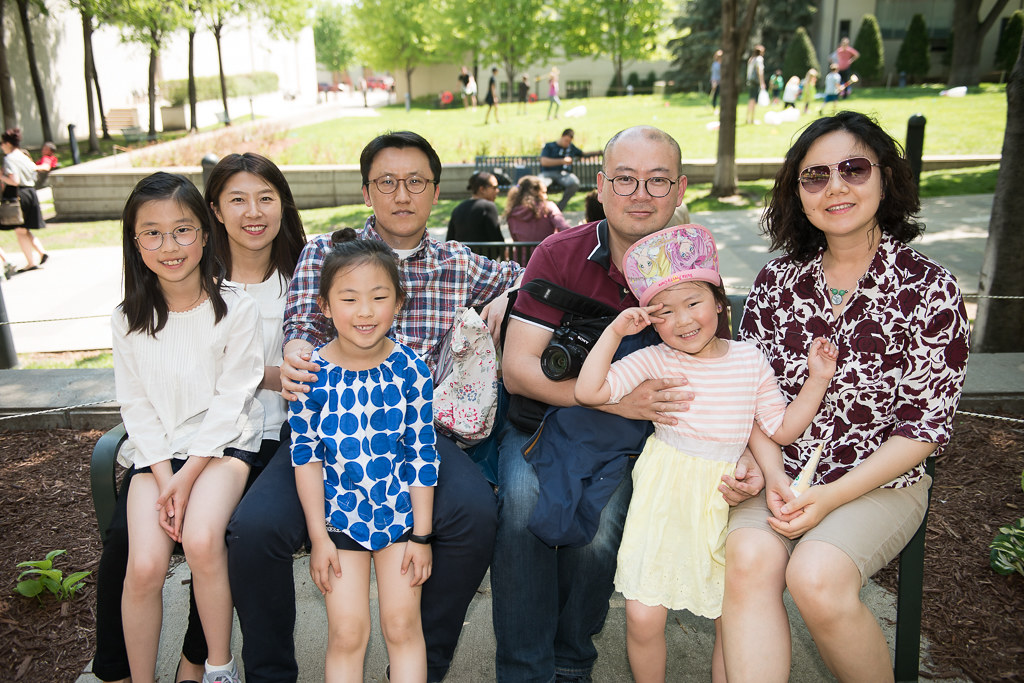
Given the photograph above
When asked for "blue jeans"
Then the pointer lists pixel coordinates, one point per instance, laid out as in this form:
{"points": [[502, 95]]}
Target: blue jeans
{"points": [[567, 180], [268, 527], [548, 602]]}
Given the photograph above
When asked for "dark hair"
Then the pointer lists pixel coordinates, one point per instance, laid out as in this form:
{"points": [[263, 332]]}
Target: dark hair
{"points": [[144, 305], [479, 180], [347, 250], [570, 132], [786, 224], [12, 136], [400, 140], [593, 209], [290, 239]]}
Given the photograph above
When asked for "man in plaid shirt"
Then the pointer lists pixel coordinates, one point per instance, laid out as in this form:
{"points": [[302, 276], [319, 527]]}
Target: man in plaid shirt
{"points": [[400, 173]]}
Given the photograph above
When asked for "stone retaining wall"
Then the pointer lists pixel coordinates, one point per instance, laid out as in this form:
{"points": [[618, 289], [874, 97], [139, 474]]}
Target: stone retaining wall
{"points": [[87, 193]]}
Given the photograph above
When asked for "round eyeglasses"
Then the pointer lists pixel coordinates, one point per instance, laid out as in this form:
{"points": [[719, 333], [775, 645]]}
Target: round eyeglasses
{"points": [[855, 171], [151, 240], [627, 185], [388, 184]]}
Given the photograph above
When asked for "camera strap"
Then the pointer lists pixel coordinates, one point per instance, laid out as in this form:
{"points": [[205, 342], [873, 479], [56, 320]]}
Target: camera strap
{"points": [[567, 301]]}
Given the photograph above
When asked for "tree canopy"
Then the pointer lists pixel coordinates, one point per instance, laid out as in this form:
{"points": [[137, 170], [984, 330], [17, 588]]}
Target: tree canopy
{"points": [[333, 47]]}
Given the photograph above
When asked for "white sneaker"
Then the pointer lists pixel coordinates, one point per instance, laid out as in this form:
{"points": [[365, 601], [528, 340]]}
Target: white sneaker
{"points": [[9, 270], [223, 675]]}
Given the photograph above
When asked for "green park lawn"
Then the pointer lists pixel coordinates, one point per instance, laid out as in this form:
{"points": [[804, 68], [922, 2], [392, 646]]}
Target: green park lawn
{"points": [[966, 125]]}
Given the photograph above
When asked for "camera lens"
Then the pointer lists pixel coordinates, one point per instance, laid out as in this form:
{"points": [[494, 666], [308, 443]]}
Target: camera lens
{"points": [[555, 361]]}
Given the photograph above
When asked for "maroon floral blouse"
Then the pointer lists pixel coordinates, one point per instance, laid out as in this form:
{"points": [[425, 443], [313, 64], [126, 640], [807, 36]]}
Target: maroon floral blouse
{"points": [[903, 339]]}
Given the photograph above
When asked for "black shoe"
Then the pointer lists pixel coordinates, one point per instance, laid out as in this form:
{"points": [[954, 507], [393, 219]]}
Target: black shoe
{"points": [[43, 260]]}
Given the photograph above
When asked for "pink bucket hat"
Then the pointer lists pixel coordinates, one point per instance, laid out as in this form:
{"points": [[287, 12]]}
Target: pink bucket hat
{"points": [[669, 257]]}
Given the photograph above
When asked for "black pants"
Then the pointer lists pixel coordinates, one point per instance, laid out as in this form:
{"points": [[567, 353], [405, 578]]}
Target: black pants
{"points": [[111, 660], [268, 527]]}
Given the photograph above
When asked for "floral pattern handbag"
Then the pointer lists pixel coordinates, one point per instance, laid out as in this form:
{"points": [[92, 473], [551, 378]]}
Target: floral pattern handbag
{"points": [[466, 394]]}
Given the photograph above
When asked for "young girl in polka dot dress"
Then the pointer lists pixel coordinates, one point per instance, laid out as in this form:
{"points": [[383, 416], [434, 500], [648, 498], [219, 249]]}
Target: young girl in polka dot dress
{"points": [[365, 464]]}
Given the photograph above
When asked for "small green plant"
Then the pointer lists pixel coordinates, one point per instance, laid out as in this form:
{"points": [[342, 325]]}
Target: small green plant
{"points": [[45, 577], [1006, 554]]}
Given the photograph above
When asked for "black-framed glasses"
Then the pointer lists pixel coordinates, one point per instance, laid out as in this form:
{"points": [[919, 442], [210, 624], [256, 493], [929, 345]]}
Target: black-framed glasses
{"points": [[854, 171], [626, 185], [388, 184], [151, 240]]}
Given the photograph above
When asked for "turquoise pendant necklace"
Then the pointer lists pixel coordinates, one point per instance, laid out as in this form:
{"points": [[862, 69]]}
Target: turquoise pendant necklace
{"points": [[837, 295]]}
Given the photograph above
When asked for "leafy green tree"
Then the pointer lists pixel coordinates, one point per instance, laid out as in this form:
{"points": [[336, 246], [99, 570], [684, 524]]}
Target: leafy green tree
{"points": [[621, 31], [800, 55], [700, 27], [914, 57], [776, 22], [24, 14], [517, 33], [871, 63], [970, 34], [1009, 42], [333, 48], [149, 22], [397, 34], [88, 9]]}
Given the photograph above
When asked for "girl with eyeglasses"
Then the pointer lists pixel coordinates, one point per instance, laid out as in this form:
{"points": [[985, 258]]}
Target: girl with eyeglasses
{"points": [[188, 358], [843, 212]]}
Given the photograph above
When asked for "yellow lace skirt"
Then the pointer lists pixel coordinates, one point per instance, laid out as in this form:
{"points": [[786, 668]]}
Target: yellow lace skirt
{"points": [[673, 542]]}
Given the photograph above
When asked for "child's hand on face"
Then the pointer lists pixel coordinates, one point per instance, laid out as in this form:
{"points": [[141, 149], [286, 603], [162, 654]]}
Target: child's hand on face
{"points": [[821, 361], [632, 320]]}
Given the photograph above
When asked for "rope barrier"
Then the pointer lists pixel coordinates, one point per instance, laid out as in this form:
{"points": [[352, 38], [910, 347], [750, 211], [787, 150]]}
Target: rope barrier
{"points": [[57, 410], [991, 417]]}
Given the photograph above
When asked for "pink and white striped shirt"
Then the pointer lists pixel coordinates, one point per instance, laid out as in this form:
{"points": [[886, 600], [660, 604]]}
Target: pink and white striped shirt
{"points": [[730, 392]]}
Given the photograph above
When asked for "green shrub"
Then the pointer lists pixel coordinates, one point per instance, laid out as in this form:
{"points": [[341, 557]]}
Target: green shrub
{"points": [[208, 87], [1006, 552], [914, 57], [870, 66], [800, 56], [45, 577], [1009, 42]]}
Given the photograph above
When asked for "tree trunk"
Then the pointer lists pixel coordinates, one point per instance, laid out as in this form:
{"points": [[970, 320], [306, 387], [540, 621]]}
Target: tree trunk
{"points": [[999, 325], [10, 110], [152, 90], [33, 68], [408, 80], [99, 96], [220, 70], [94, 143], [192, 81], [968, 36], [734, 39]]}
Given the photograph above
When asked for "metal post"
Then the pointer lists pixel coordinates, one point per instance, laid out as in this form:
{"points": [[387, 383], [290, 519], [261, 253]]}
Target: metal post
{"points": [[8, 356], [208, 162], [915, 145], [75, 159]]}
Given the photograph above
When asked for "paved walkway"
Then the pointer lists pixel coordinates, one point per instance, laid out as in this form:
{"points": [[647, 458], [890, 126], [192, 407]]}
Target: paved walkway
{"points": [[78, 283]]}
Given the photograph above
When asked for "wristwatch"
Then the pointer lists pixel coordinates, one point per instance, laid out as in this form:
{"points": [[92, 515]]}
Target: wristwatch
{"points": [[422, 540]]}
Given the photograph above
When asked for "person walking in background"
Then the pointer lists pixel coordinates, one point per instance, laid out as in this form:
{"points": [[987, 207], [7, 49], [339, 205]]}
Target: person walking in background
{"points": [[476, 219], [524, 93], [530, 214], [18, 181], [844, 57], [809, 89], [553, 102], [832, 83], [755, 81], [775, 85], [492, 98], [716, 77]]}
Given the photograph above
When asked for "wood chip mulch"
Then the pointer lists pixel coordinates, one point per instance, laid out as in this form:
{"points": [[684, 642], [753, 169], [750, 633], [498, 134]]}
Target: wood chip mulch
{"points": [[973, 617]]}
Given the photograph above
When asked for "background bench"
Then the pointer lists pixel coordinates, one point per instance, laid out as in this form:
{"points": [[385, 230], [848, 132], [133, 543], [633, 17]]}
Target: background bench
{"points": [[103, 480], [509, 169]]}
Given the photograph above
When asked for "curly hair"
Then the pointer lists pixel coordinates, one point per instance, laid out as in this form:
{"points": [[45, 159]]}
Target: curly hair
{"points": [[529, 191], [784, 221]]}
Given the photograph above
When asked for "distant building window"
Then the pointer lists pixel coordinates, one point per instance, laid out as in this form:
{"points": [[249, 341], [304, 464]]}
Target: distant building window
{"points": [[844, 29], [577, 88], [894, 17]]}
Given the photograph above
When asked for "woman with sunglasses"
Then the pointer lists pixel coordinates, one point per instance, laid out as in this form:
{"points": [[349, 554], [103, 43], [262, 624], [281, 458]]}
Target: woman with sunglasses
{"points": [[842, 211]]}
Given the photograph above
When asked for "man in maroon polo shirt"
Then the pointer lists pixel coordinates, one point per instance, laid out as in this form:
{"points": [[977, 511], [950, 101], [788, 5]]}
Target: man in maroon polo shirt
{"points": [[549, 603]]}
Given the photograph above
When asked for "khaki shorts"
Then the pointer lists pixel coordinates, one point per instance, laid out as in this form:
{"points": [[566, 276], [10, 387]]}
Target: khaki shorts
{"points": [[871, 530]]}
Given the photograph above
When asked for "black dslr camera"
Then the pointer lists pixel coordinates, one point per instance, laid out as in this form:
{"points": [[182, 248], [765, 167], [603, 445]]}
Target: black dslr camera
{"points": [[582, 325]]}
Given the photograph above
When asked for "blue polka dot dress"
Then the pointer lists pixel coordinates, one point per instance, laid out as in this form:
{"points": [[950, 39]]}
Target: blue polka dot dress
{"points": [[373, 430]]}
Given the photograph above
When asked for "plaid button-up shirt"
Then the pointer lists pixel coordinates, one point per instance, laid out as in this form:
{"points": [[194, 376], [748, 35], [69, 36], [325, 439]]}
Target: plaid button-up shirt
{"points": [[438, 277]]}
